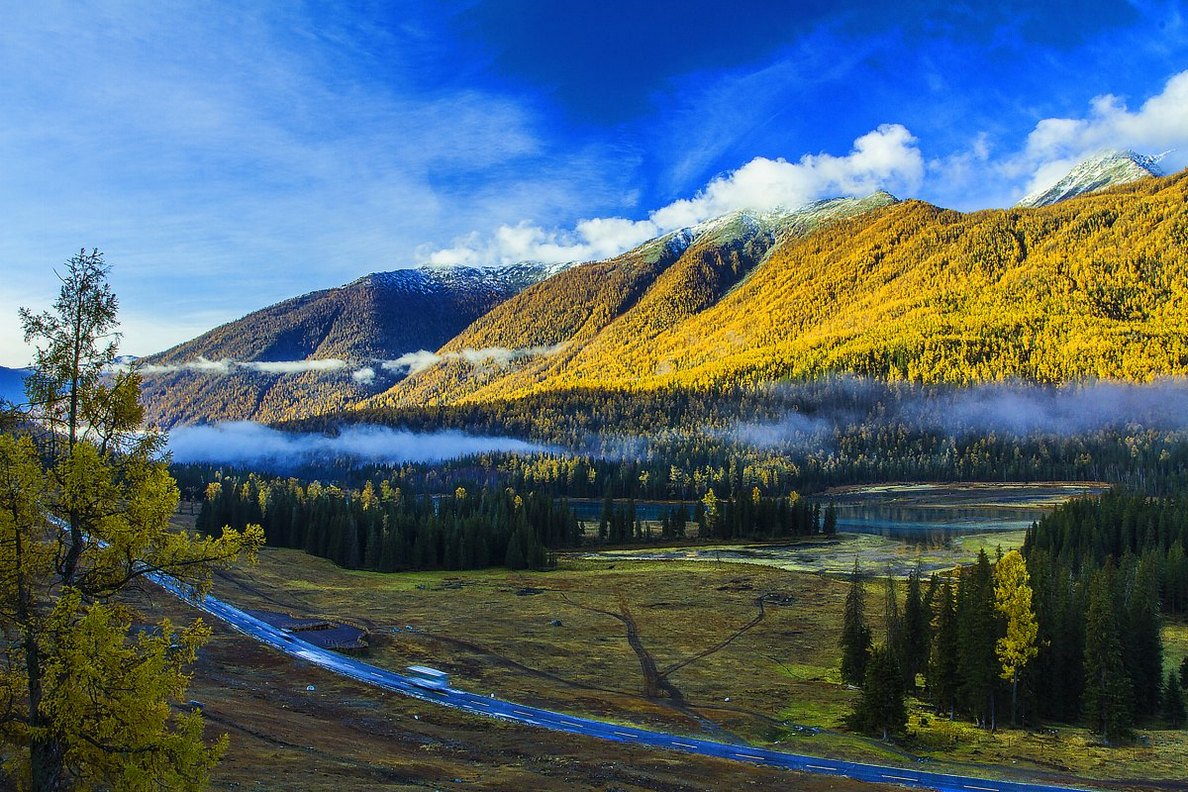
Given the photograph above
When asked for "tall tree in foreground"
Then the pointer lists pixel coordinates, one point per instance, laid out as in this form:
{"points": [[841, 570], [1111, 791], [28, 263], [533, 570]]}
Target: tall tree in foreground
{"points": [[1012, 596], [85, 503], [855, 637]]}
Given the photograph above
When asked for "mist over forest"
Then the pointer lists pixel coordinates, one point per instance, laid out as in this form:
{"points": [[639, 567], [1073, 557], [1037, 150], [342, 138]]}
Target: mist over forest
{"points": [[248, 443], [1015, 410]]}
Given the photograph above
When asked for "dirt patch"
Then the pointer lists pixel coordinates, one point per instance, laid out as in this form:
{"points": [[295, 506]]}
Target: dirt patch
{"points": [[323, 633]]}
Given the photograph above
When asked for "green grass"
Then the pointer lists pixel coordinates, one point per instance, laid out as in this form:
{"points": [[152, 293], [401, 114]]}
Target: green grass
{"points": [[782, 674]]}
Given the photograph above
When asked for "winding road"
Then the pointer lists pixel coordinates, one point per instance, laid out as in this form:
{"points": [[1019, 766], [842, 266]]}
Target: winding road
{"points": [[491, 707]]}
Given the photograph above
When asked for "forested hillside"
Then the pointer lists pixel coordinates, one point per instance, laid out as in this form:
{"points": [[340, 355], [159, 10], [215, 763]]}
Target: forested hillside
{"points": [[1093, 287], [604, 315], [375, 318]]}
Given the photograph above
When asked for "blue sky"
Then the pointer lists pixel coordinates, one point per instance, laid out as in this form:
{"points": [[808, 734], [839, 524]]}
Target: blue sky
{"points": [[228, 155]]}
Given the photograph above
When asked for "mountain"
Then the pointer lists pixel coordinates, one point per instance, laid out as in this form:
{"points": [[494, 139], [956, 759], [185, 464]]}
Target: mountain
{"points": [[591, 321], [1095, 287], [1107, 169], [12, 384], [1091, 288], [325, 349], [381, 315]]}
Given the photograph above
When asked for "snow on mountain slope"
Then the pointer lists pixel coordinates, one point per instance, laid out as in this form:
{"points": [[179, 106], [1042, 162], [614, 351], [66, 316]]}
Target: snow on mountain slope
{"points": [[1107, 169]]}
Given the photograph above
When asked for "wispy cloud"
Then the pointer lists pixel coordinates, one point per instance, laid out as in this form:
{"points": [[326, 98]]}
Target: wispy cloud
{"points": [[225, 366], [247, 443], [412, 362], [1036, 411], [220, 142], [1004, 409]]}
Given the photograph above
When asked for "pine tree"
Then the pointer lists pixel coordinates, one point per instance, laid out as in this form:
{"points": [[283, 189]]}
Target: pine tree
{"points": [[855, 637], [83, 517], [881, 709], [1106, 702], [916, 629], [1142, 651], [829, 523], [977, 630], [896, 640], [942, 667], [605, 518]]}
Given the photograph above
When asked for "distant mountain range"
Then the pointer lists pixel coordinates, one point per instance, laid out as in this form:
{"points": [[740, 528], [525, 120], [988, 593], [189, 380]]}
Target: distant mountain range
{"points": [[252, 367], [12, 384], [1068, 289]]}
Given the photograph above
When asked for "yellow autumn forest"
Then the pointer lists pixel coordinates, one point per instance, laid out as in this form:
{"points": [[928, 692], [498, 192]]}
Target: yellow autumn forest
{"points": [[1093, 287]]}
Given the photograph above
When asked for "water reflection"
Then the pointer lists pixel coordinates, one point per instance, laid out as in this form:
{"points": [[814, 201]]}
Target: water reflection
{"points": [[934, 514]]}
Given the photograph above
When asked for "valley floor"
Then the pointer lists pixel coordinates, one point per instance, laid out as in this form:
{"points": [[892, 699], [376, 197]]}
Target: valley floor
{"points": [[731, 668]]}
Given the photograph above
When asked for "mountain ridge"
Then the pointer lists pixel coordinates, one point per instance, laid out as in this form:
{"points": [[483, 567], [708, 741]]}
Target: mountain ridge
{"points": [[696, 305], [597, 311], [1080, 289], [1108, 168]]}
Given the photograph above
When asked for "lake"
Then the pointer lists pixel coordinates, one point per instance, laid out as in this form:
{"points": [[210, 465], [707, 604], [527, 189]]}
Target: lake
{"points": [[892, 528], [933, 513]]}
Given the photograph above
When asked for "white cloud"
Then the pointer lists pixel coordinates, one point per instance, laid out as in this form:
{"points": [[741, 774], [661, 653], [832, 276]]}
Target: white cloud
{"points": [[364, 376], [294, 366], [1057, 144], [226, 366], [885, 158], [590, 240], [201, 365], [412, 362]]}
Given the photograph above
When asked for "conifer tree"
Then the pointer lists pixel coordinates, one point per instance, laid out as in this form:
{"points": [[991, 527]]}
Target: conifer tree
{"points": [[942, 666], [881, 708], [1106, 701], [829, 522], [84, 515], [896, 637], [855, 637], [916, 628], [977, 666], [1142, 651]]}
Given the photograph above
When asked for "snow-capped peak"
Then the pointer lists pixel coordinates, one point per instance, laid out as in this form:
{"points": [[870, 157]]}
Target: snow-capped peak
{"points": [[461, 277], [1105, 169]]}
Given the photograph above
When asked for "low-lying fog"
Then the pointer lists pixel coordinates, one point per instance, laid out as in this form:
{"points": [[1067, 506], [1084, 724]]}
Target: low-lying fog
{"points": [[1003, 408], [248, 443]]}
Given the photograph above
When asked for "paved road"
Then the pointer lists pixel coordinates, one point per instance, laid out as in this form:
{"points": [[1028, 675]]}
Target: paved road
{"points": [[557, 721]]}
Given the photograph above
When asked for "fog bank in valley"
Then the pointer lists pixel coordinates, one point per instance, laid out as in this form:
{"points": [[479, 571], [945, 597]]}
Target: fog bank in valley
{"points": [[248, 443], [821, 411]]}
